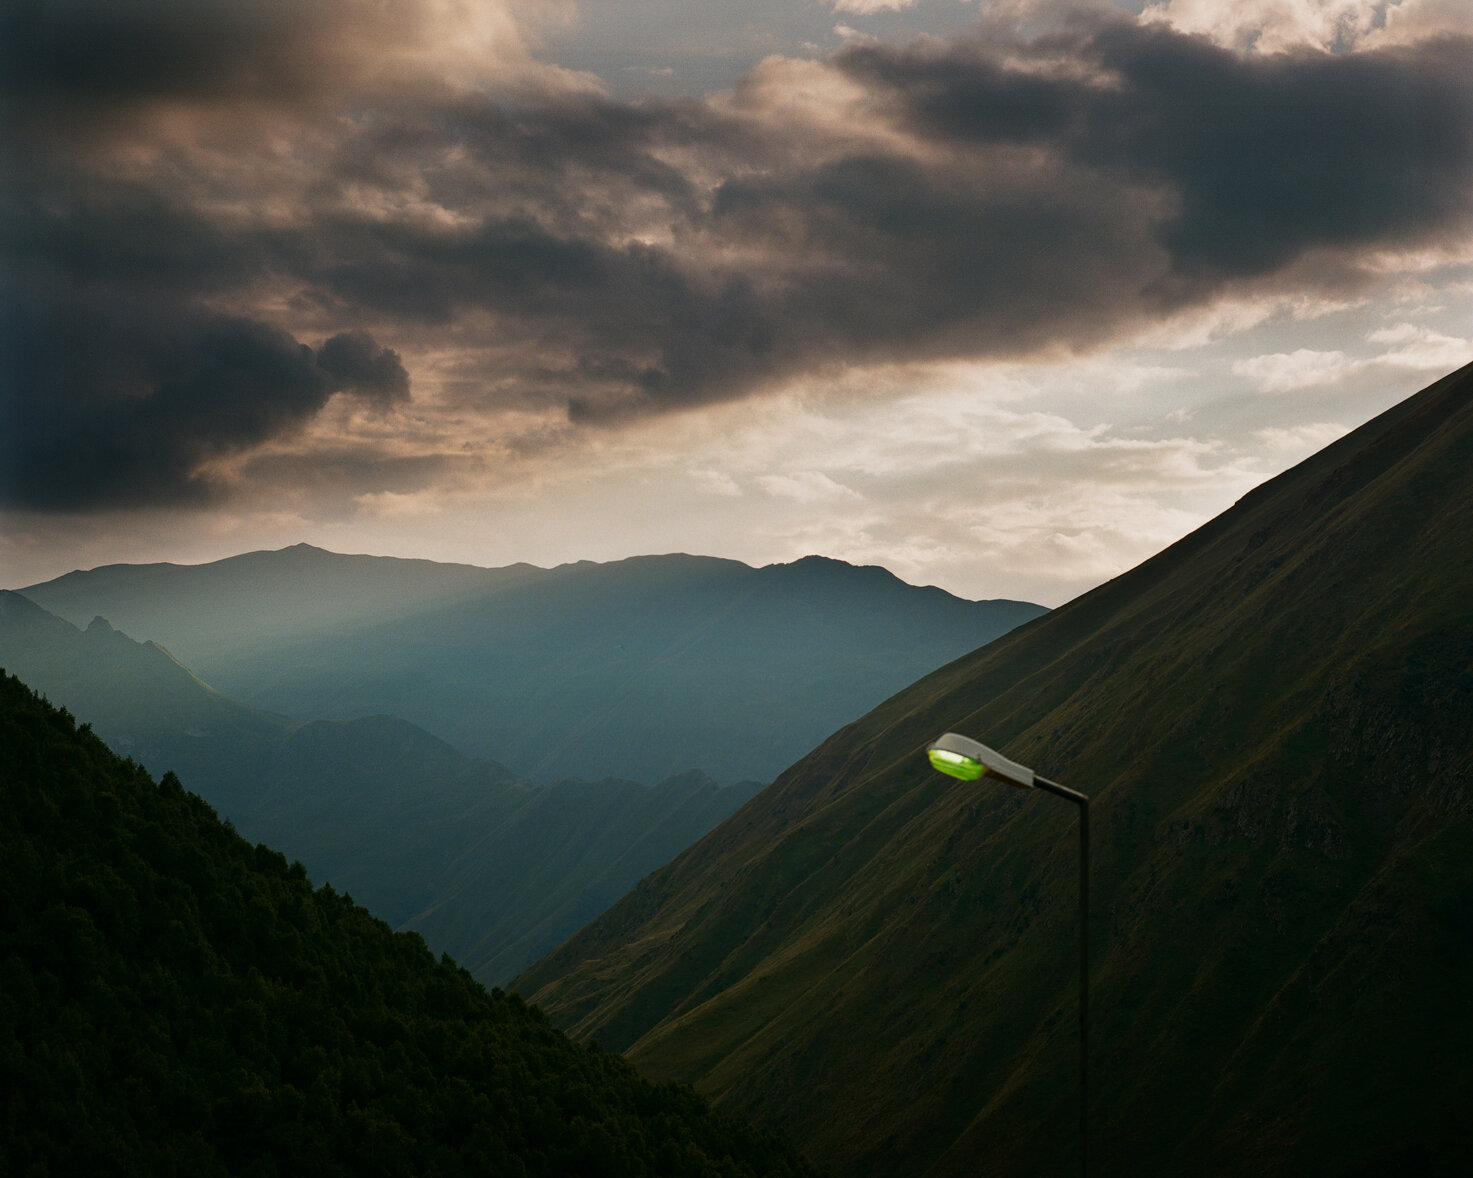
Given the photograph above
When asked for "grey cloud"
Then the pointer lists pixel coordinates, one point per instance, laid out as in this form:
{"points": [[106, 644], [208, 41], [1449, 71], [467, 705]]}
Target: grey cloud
{"points": [[1275, 156], [789, 265], [620, 258], [353, 362], [1064, 206], [1266, 157], [61, 225], [108, 403], [339, 474], [101, 54]]}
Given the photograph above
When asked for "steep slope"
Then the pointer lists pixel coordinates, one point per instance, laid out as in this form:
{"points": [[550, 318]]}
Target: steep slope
{"points": [[640, 669], [176, 1001], [1273, 719], [489, 867]]}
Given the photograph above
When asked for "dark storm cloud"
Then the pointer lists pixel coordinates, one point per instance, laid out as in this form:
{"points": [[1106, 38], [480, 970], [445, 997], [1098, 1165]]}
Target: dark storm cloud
{"points": [[353, 362], [1266, 156], [59, 225], [972, 199], [1271, 157], [99, 55], [653, 255], [111, 404], [104, 51]]}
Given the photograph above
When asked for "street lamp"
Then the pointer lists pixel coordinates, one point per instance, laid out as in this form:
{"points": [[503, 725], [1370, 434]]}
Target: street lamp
{"points": [[962, 757]]}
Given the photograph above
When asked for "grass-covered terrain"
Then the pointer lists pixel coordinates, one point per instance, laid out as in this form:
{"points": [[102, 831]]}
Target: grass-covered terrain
{"points": [[1273, 720], [176, 1001]]}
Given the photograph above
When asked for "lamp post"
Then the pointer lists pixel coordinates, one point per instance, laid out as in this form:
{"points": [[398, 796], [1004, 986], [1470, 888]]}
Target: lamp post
{"points": [[962, 757]]}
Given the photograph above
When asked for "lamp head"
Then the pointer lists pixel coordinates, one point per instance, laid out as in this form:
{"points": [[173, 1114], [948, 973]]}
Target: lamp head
{"points": [[968, 759]]}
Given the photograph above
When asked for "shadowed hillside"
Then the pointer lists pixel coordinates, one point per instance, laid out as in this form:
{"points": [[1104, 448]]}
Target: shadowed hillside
{"points": [[641, 669], [177, 1001], [1273, 718]]}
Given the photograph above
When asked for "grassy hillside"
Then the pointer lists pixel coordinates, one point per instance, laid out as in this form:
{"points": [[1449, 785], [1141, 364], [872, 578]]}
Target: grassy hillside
{"points": [[640, 669], [176, 1001], [1273, 719]]}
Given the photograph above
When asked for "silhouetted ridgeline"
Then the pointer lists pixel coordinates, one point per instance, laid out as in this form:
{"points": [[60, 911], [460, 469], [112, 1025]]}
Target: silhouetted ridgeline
{"points": [[639, 669], [174, 1001]]}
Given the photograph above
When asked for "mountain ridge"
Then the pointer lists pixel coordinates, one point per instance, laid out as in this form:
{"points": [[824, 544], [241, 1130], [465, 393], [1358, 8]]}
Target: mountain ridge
{"points": [[639, 669]]}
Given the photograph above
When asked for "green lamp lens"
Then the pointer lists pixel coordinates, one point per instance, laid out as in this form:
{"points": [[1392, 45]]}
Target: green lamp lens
{"points": [[956, 764]]}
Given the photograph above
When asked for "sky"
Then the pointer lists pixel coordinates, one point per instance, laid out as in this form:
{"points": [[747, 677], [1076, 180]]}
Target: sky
{"points": [[1004, 295]]}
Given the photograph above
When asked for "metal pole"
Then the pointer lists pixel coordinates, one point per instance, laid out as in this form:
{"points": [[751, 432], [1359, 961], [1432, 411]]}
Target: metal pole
{"points": [[1082, 801], [1084, 988]]}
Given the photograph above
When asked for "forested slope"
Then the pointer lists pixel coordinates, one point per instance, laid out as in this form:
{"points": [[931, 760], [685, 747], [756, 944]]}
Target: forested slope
{"points": [[174, 1000]]}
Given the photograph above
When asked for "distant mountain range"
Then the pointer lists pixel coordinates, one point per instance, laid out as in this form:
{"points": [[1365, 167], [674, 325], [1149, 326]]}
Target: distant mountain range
{"points": [[1274, 719], [177, 1001], [640, 669], [489, 867]]}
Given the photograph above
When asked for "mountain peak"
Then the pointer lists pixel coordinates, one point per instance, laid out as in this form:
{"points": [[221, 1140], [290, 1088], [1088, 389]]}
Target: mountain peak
{"points": [[814, 565], [100, 625], [302, 549]]}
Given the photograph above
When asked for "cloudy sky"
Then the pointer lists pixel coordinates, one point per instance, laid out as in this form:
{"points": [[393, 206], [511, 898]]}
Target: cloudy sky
{"points": [[1005, 295]]}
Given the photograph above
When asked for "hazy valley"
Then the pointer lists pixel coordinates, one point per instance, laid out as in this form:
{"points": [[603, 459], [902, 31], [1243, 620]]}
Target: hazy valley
{"points": [[641, 669], [490, 866]]}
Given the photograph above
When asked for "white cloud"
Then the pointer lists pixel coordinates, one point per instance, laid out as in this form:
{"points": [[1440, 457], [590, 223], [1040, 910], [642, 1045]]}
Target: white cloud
{"points": [[395, 504], [1272, 26], [1412, 20], [1423, 348], [869, 7], [1301, 440], [1415, 347], [944, 474], [715, 482], [807, 486], [1282, 372]]}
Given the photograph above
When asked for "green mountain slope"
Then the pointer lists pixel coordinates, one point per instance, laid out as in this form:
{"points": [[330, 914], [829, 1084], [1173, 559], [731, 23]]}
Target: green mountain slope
{"points": [[641, 669], [176, 1001], [489, 867], [1273, 720]]}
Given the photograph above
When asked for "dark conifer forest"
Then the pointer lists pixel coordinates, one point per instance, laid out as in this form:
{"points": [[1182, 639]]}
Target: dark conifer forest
{"points": [[175, 1001]]}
